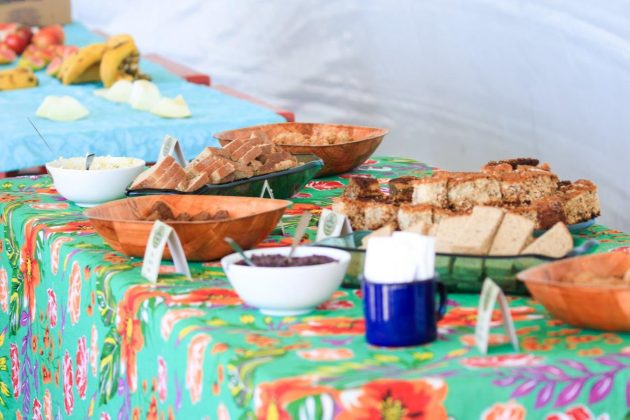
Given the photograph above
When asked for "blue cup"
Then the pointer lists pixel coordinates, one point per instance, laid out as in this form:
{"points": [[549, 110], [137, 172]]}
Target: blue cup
{"points": [[404, 314]]}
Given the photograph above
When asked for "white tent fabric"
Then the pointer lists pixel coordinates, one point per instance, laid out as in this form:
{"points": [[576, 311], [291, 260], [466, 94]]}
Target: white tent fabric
{"points": [[458, 82]]}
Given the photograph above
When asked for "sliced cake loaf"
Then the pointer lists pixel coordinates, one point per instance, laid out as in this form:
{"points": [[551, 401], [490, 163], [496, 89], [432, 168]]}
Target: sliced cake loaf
{"points": [[447, 233], [579, 201], [467, 190], [401, 189], [165, 172], [431, 190], [411, 214]]}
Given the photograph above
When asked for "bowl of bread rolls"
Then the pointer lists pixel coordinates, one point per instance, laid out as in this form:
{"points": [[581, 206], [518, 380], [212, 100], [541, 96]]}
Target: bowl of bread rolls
{"points": [[341, 147]]}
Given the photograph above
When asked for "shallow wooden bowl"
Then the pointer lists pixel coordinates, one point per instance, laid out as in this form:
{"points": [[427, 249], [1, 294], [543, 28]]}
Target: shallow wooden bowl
{"points": [[250, 221], [338, 158], [586, 306]]}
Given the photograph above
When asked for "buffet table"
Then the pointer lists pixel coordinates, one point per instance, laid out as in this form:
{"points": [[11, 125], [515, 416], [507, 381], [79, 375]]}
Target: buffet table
{"points": [[83, 335], [117, 129]]}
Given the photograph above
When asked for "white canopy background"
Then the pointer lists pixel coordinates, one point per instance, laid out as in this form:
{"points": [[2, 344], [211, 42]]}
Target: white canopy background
{"points": [[458, 82]]}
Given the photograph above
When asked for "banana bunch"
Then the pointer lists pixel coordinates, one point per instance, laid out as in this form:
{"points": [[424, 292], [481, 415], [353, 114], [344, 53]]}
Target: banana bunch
{"points": [[18, 78], [117, 59]]}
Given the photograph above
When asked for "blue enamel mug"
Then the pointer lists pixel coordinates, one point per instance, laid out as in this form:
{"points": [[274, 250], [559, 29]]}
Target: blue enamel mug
{"points": [[403, 314]]}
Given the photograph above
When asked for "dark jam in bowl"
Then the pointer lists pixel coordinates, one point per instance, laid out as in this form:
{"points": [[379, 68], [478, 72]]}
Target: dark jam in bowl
{"points": [[277, 260]]}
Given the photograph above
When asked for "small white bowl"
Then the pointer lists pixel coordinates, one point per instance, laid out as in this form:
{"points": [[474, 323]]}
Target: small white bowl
{"points": [[286, 291], [96, 186]]}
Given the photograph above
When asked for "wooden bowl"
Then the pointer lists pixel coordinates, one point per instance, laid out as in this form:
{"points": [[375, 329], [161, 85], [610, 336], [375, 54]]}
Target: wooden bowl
{"points": [[250, 221], [338, 158], [583, 305]]}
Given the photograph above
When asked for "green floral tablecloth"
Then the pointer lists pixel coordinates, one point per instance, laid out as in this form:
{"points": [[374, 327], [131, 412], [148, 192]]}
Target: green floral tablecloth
{"points": [[82, 335]]}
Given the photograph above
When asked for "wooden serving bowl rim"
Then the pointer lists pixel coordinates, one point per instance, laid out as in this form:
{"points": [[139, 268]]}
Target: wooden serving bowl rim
{"points": [[379, 132], [282, 204], [525, 276]]}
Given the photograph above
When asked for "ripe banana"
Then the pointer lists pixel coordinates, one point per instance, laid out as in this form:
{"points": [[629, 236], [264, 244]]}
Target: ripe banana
{"points": [[120, 60], [18, 78], [80, 62]]}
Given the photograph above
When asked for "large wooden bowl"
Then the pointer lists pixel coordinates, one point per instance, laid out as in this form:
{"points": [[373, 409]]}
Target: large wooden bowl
{"points": [[250, 221], [586, 306], [338, 158]]}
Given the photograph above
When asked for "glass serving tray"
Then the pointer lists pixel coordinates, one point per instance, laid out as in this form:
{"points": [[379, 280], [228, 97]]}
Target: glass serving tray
{"points": [[460, 273], [284, 184]]}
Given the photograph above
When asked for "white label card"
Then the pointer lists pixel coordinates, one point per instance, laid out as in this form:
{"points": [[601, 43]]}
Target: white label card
{"points": [[171, 146], [266, 189], [332, 224], [490, 293], [161, 234]]}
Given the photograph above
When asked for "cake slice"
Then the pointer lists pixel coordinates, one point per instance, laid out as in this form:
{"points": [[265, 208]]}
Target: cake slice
{"points": [[171, 176], [556, 242], [202, 162], [379, 213], [401, 189], [362, 187], [580, 201], [478, 233], [352, 209], [466, 190], [385, 230], [421, 228], [526, 185], [431, 190], [194, 183], [411, 214], [544, 213], [512, 236]]}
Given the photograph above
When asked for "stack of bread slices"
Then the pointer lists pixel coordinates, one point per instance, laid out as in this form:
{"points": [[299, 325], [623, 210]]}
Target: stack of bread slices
{"points": [[239, 159]]}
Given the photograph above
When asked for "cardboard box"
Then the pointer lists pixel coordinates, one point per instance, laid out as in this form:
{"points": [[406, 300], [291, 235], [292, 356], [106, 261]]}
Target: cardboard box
{"points": [[35, 12]]}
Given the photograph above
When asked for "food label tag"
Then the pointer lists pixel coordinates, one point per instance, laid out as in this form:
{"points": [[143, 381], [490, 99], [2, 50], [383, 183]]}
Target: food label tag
{"points": [[490, 292], [266, 189], [161, 234], [332, 224], [171, 146]]}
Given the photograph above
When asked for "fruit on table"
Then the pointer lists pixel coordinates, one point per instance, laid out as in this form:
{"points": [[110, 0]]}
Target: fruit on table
{"points": [[16, 43], [119, 92], [144, 95], [61, 108], [171, 108], [120, 60], [18, 78], [7, 55], [48, 35], [15, 38], [61, 52], [84, 66]]}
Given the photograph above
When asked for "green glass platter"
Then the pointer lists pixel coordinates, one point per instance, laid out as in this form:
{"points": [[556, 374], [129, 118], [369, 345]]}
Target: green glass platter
{"points": [[460, 273], [283, 184]]}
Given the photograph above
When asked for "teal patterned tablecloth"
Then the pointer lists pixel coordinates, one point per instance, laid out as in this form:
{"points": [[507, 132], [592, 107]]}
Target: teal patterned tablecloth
{"points": [[115, 129]]}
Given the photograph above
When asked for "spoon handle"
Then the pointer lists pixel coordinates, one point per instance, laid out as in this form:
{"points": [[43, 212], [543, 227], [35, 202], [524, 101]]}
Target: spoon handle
{"points": [[299, 231], [89, 158], [236, 247]]}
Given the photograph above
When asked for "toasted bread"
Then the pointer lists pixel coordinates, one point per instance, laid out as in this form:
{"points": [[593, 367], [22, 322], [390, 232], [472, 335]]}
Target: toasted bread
{"points": [[447, 233], [478, 232], [411, 214]]}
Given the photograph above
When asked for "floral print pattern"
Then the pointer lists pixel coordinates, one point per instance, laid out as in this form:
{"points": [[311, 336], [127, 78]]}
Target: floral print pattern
{"points": [[83, 335]]}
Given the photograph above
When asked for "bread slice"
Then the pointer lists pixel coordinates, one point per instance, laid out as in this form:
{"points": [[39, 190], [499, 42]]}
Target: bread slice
{"points": [[202, 162], [512, 236], [411, 214], [478, 233], [421, 228], [447, 233], [527, 185], [195, 183], [221, 171], [362, 187], [149, 178], [386, 230], [556, 242], [172, 176]]}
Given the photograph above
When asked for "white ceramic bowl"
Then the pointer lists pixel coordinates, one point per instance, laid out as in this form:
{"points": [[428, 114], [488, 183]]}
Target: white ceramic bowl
{"points": [[284, 291], [96, 186]]}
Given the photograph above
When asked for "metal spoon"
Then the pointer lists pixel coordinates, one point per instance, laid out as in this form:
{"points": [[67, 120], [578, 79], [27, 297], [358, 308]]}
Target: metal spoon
{"points": [[238, 249], [299, 232], [41, 137], [89, 158]]}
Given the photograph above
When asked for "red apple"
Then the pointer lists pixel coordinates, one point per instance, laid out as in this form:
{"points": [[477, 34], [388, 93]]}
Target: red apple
{"points": [[24, 32], [16, 43], [50, 35]]}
